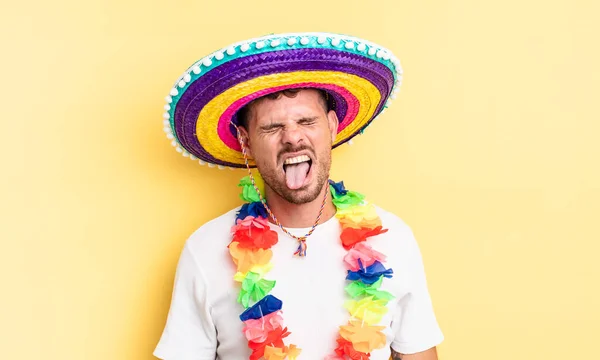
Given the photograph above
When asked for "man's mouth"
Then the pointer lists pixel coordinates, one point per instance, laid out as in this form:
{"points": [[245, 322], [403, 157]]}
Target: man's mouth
{"points": [[296, 171]]}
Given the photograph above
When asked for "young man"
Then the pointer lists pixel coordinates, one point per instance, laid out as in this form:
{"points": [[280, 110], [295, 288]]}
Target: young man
{"points": [[305, 269]]}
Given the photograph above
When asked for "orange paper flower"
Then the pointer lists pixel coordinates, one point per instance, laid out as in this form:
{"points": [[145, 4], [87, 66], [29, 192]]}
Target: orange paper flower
{"points": [[292, 351], [275, 353], [364, 338], [245, 259]]}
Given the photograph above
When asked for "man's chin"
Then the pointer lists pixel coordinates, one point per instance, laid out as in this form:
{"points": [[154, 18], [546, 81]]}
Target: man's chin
{"points": [[300, 196]]}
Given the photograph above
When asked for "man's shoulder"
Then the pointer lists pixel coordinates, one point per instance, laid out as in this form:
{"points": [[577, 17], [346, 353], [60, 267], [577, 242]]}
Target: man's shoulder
{"points": [[392, 221], [218, 224], [398, 243], [214, 234]]}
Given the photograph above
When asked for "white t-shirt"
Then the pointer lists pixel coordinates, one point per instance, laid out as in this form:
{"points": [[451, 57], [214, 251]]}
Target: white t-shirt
{"points": [[203, 321]]}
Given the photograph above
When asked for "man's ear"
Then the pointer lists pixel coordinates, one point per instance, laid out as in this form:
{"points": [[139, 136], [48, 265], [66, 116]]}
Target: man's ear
{"points": [[333, 122], [246, 139]]}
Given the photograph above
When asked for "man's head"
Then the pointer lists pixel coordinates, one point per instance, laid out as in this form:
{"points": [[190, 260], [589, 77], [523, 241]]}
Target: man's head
{"points": [[290, 134]]}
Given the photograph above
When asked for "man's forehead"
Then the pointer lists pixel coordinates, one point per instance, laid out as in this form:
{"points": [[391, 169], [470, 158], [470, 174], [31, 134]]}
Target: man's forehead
{"points": [[304, 103]]}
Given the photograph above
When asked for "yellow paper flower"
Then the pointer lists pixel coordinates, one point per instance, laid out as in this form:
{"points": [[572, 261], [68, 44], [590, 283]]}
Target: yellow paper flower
{"points": [[262, 269], [364, 223], [239, 276], [359, 213], [369, 310], [292, 351], [260, 183], [364, 338]]}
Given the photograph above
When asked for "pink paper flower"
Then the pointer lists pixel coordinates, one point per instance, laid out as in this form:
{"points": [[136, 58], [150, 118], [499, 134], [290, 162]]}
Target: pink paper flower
{"points": [[365, 253], [257, 330], [250, 222], [253, 233]]}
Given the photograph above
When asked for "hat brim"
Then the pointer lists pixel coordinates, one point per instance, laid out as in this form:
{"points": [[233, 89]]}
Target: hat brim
{"points": [[359, 77]]}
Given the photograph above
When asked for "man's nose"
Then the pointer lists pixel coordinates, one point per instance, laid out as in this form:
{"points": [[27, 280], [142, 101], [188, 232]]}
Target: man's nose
{"points": [[293, 135]]}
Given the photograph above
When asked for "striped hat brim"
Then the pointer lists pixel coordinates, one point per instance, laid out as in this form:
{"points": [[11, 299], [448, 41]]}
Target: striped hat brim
{"points": [[359, 77]]}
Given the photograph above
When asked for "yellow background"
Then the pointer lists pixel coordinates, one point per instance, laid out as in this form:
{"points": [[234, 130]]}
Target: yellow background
{"points": [[490, 153]]}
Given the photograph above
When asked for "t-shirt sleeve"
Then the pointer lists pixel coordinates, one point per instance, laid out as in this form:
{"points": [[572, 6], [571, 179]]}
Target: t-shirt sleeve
{"points": [[416, 328], [189, 333]]}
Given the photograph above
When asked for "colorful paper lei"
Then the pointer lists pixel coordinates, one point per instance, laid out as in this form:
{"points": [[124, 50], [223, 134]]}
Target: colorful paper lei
{"points": [[250, 249]]}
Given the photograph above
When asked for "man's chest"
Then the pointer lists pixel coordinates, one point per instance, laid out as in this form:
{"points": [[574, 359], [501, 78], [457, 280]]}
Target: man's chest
{"points": [[312, 290]]}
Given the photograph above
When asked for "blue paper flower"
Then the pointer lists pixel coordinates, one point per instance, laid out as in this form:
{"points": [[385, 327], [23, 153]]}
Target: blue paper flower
{"points": [[371, 274], [339, 188], [254, 209], [267, 305]]}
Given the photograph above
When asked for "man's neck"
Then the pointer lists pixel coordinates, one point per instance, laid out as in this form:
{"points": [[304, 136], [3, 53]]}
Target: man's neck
{"points": [[300, 216]]}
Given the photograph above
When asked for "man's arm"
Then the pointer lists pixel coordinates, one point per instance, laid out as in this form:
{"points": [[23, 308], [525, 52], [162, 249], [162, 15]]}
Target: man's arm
{"points": [[430, 354]]}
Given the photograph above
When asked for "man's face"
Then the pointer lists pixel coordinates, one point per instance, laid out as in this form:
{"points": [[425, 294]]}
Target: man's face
{"points": [[290, 139]]}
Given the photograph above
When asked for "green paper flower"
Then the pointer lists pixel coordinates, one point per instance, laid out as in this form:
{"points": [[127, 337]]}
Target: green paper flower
{"points": [[358, 288], [254, 288], [248, 194], [351, 198]]}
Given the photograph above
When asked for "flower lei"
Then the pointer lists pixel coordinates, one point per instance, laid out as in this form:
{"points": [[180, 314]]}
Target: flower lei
{"points": [[251, 252]]}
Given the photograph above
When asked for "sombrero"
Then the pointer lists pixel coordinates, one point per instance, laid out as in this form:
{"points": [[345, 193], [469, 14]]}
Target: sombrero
{"points": [[358, 76]]}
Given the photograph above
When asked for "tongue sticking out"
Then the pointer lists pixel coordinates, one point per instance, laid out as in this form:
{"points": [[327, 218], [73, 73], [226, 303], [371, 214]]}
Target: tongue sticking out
{"points": [[296, 174]]}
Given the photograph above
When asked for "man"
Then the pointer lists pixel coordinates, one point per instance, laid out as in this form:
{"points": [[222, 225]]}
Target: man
{"points": [[356, 287]]}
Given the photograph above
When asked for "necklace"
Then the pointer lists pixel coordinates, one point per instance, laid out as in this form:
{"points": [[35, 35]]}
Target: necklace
{"points": [[250, 249]]}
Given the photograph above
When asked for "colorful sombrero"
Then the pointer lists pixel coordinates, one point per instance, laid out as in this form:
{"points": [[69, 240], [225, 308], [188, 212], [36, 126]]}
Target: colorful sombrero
{"points": [[360, 78]]}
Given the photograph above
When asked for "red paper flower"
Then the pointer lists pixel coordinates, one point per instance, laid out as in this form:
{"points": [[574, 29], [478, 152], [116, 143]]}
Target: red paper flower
{"points": [[253, 233], [274, 338], [351, 236], [345, 348]]}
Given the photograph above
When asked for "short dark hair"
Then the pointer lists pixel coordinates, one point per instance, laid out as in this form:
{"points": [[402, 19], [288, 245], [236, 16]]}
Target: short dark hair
{"points": [[243, 115]]}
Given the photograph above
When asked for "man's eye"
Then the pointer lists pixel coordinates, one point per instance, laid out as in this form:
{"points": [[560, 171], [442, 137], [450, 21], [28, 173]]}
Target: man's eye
{"points": [[272, 129]]}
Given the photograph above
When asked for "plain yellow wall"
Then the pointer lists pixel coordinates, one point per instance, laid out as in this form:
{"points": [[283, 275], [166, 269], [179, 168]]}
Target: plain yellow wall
{"points": [[490, 153]]}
